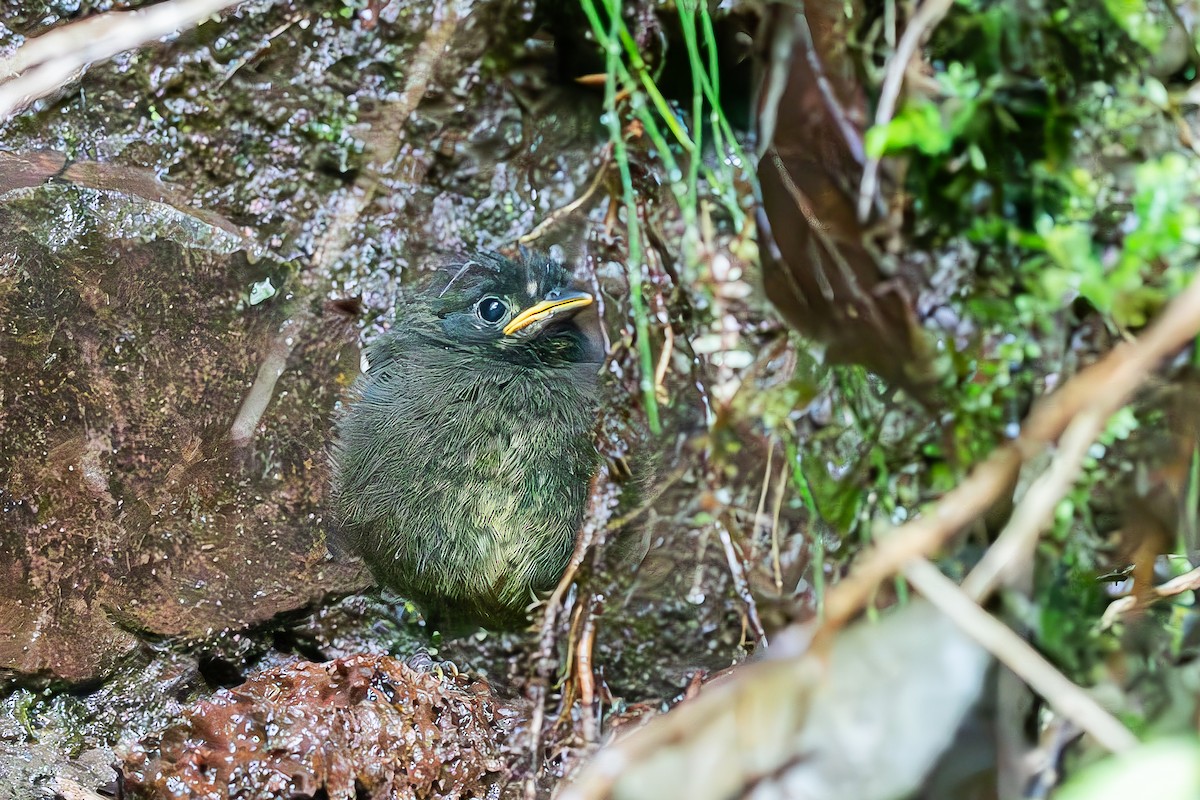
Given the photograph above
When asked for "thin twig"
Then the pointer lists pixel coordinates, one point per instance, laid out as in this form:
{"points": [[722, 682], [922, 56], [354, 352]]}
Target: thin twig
{"points": [[601, 501], [648, 502], [1018, 655], [927, 17], [1187, 582], [1117, 609], [780, 492], [664, 361], [762, 498], [555, 216], [695, 590], [737, 570], [263, 46], [921, 537], [537, 697], [1015, 545], [274, 362], [585, 676]]}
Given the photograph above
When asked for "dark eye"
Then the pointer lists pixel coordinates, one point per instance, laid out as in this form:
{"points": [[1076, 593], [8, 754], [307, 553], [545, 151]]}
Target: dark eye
{"points": [[491, 309]]}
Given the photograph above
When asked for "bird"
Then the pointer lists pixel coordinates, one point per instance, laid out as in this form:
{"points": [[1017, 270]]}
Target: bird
{"points": [[462, 458]]}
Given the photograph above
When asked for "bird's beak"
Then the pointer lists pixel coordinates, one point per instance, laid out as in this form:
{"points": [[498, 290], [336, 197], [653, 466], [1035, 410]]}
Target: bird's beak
{"points": [[555, 303]]}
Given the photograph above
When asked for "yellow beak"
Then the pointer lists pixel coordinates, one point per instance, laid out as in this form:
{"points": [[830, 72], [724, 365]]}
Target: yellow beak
{"points": [[560, 302]]}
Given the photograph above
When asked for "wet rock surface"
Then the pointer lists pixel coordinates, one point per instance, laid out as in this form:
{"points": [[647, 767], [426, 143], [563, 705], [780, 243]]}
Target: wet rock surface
{"points": [[133, 336], [363, 726], [51, 739]]}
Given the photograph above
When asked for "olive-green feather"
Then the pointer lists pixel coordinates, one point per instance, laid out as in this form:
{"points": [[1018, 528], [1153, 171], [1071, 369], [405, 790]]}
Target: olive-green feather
{"points": [[462, 460]]}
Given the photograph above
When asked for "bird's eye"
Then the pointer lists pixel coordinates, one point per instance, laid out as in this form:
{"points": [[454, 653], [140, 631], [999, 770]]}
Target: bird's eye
{"points": [[491, 309]]}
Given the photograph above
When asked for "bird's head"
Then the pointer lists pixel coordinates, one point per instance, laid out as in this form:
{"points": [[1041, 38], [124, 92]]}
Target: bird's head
{"points": [[514, 310]]}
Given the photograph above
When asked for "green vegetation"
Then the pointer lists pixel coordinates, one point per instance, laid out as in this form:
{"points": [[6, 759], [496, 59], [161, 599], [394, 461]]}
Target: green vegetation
{"points": [[658, 117], [1049, 174]]}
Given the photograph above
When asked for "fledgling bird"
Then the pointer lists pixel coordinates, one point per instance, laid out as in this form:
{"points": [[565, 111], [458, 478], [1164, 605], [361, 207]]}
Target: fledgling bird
{"points": [[461, 464]]}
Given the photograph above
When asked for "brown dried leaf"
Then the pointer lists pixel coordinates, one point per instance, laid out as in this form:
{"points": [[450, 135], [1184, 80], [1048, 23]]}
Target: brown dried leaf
{"points": [[818, 266]]}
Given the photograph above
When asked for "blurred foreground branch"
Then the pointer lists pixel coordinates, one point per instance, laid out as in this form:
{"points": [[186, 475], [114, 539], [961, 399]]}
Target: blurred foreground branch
{"points": [[1090, 398], [865, 720], [50, 61]]}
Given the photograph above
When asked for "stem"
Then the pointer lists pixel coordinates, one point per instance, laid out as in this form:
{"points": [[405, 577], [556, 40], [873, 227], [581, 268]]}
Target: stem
{"points": [[632, 220], [810, 504]]}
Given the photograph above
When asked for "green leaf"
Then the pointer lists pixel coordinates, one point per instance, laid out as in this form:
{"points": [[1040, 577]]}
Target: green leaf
{"points": [[263, 290], [1138, 22], [918, 126], [1170, 766]]}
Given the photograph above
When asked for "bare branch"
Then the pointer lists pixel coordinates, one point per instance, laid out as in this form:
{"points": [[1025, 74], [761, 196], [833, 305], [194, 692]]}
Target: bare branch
{"points": [[1018, 655], [1014, 547], [927, 17]]}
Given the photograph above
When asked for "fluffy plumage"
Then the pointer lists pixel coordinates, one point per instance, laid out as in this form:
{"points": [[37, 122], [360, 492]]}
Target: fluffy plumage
{"points": [[462, 462]]}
